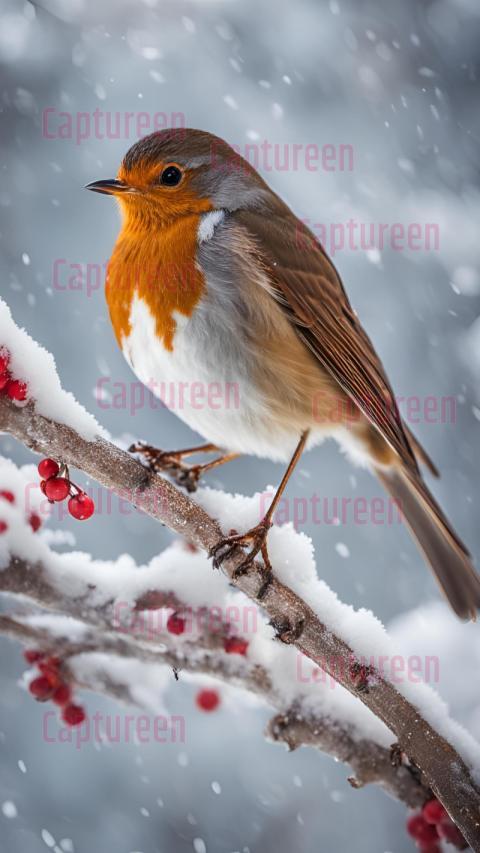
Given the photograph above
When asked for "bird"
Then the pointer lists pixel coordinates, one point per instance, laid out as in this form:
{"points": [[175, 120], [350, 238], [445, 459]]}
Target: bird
{"points": [[213, 278]]}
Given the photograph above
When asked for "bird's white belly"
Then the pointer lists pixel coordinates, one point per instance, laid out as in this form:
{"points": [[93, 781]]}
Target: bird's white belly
{"points": [[205, 383]]}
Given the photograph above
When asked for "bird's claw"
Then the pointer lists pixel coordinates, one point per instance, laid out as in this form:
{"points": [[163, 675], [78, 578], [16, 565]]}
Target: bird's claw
{"points": [[188, 476], [170, 463], [223, 550], [156, 459], [228, 545]]}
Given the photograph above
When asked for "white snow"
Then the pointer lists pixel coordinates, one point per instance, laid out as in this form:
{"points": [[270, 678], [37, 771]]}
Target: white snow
{"points": [[9, 809], [466, 280], [188, 24], [469, 348], [433, 632], [342, 550], [48, 838], [31, 363], [231, 102], [121, 583], [291, 554], [155, 75]]}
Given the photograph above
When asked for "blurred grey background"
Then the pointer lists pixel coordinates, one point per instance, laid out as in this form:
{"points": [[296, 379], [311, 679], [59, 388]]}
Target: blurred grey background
{"points": [[396, 81]]}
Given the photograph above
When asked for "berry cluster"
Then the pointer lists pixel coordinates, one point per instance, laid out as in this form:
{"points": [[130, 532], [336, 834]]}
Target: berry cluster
{"points": [[34, 519], [432, 825], [56, 486], [13, 388], [51, 685]]}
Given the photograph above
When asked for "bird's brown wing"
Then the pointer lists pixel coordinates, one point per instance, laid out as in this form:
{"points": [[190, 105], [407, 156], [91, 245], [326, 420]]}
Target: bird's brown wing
{"points": [[307, 285]]}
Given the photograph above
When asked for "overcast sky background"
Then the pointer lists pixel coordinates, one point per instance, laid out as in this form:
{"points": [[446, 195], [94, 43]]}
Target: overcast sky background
{"points": [[397, 82]]}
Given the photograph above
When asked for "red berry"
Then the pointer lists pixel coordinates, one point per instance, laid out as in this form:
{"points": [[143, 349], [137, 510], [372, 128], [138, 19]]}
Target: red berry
{"points": [[207, 700], [62, 695], [40, 688], [35, 521], [4, 379], [52, 677], [49, 668], [447, 830], [81, 506], [48, 468], [33, 655], [235, 646], [175, 624], [51, 663], [419, 829], [434, 812], [4, 359], [9, 496], [3, 526], [57, 488], [16, 390], [429, 847], [73, 715]]}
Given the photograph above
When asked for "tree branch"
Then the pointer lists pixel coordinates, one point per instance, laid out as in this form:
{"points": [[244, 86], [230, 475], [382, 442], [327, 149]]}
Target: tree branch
{"points": [[370, 762], [446, 771]]}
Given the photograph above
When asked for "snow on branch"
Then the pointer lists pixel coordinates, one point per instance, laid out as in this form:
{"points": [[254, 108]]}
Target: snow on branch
{"points": [[92, 661], [306, 616], [134, 625]]}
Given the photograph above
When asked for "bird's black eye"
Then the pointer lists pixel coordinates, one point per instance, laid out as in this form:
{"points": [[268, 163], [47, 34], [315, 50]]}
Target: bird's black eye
{"points": [[171, 176]]}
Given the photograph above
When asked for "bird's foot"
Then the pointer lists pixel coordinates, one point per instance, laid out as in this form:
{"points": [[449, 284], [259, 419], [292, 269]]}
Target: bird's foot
{"points": [[170, 462], [256, 538]]}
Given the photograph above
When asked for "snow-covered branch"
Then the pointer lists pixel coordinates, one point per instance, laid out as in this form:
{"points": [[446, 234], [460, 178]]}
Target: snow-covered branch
{"points": [[306, 616], [425, 735], [370, 762]]}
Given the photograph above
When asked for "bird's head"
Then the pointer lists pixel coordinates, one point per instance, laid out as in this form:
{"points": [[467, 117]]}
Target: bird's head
{"points": [[180, 172]]}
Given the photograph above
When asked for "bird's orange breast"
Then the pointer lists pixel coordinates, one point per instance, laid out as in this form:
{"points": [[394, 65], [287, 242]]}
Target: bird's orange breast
{"points": [[158, 265]]}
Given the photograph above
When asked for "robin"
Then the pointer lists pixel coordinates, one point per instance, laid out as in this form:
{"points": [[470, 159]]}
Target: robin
{"points": [[214, 279]]}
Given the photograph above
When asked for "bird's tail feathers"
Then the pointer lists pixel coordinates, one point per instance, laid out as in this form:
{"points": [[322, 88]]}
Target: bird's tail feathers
{"points": [[443, 549]]}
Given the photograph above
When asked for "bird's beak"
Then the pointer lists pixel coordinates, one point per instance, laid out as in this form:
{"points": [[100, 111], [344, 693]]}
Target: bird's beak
{"points": [[110, 186]]}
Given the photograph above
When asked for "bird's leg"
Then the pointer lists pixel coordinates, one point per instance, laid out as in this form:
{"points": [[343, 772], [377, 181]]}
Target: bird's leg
{"points": [[154, 455], [191, 474], [171, 462], [257, 536]]}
